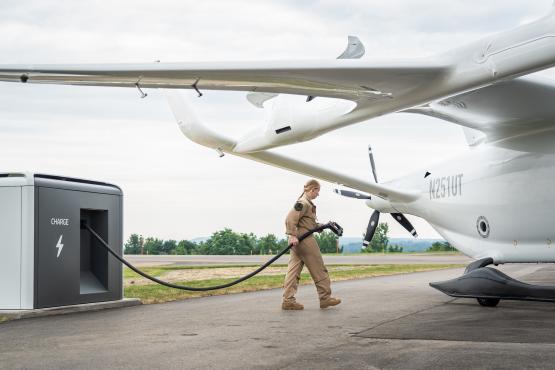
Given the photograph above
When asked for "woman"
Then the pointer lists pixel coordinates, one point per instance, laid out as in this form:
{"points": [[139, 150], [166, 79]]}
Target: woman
{"points": [[299, 220]]}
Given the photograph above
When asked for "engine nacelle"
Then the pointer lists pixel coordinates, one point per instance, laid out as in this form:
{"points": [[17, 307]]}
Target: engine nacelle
{"points": [[293, 119], [382, 205]]}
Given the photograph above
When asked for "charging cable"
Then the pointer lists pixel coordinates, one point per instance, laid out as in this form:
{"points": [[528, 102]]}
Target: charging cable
{"points": [[333, 226]]}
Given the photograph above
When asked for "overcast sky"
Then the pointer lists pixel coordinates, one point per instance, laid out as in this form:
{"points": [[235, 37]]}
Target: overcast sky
{"points": [[177, 189]]}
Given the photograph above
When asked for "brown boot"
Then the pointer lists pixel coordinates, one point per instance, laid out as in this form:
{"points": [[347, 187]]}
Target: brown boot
{"points": [[328, 302], [291, 306]]}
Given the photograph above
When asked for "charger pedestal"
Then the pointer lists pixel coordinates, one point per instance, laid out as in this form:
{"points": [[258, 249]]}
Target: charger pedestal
{"points": [[46, 260]]}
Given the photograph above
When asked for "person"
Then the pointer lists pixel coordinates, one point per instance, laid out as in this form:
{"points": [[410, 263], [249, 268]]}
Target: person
{"points": [[300, 219]]}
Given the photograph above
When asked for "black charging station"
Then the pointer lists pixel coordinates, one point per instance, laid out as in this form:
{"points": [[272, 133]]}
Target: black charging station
{"points": [[70, 266]]}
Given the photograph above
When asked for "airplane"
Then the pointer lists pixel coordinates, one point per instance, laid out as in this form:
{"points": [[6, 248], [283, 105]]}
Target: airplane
{"points": [[494, 203]]}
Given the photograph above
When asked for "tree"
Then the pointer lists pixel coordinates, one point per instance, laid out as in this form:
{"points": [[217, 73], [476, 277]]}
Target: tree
{"points": [[441, 247], [380, 241], [153, 245], [200, 249], [185, 247], [247, 244], [168, 247], [395, 249], [228, 242], [327, 241], [266, 244], [133, 244]]}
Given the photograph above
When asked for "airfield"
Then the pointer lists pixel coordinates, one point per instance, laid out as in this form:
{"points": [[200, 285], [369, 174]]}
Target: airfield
{"points": [[359, 259], [392, 322]]}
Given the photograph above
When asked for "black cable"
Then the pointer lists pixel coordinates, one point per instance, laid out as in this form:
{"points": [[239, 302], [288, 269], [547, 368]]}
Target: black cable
{"points": [[331, 225]]}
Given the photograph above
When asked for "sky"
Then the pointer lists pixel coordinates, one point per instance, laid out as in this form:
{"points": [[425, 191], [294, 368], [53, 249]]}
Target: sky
{"points": [[176, 189]]}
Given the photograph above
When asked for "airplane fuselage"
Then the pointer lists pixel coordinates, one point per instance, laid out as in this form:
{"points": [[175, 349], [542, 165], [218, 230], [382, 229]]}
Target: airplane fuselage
{"points": [[497, 200]]}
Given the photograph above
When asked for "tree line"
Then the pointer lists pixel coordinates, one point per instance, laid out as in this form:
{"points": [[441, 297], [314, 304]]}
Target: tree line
{"points": [[229, 242], [224, 242], [441, 247], [380, 243]]}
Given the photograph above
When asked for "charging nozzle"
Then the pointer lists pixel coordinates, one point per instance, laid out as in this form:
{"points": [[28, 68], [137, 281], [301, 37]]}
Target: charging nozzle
{"points": [[334, 226]]}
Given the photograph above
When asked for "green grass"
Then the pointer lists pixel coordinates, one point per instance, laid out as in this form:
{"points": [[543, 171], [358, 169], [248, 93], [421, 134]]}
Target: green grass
{"points": [[158, 271], [154, 293]]}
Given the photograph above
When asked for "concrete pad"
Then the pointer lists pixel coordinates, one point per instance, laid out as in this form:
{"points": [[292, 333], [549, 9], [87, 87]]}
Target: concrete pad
{"points": [[6, 315]]}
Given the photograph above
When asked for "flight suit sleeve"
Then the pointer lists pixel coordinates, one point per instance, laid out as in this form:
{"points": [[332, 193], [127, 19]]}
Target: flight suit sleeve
{"points": [[293, 217]]}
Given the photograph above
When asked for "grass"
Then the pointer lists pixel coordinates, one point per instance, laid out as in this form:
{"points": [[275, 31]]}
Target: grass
{"points": [[154, 293], [160, 270]]}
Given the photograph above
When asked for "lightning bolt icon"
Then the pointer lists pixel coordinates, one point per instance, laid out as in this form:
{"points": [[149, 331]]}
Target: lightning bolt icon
{"points": [[60, 246]]}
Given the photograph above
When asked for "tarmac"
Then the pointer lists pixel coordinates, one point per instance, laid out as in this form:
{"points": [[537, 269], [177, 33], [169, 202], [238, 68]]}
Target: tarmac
{"points": [[392, 322]]}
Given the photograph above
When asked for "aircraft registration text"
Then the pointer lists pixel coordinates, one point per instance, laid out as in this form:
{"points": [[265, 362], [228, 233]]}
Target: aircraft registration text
{"points": [[446, 186]]}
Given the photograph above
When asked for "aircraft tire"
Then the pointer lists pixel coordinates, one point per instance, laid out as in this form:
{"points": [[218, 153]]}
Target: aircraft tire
{"points": [[488, 302]]}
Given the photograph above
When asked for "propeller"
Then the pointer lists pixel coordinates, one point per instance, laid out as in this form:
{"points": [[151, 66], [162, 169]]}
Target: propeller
{"points": [[371, 229], [372, 164], [375, 217], [400, 218]]}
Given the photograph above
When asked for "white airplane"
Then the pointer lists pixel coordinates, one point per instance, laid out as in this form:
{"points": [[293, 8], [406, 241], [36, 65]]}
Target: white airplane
{"points": [[495, 203]]}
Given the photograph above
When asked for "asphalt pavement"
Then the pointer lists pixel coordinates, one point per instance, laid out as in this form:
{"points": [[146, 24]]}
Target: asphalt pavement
{"points": [[392, 322]]}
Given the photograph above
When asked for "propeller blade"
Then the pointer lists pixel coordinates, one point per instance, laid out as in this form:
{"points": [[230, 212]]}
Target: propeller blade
{"points": [[372, 164], [371, 229], [400, 218], [352, 194]]}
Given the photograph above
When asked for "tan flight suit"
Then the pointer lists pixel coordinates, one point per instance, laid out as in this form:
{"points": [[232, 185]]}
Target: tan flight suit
{"points": [[300, 219]]}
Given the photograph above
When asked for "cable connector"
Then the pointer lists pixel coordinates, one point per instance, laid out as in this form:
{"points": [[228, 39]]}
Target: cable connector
{"points": [[334, 226]]}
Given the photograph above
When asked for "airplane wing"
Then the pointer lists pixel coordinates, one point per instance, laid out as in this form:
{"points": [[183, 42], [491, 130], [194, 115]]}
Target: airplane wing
{"points": [[501, 110], [341, 78], [378, 88], [196, 131]]}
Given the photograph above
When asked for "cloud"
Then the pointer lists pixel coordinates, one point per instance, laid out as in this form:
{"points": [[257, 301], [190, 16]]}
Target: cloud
{"points": [[175, 188]]}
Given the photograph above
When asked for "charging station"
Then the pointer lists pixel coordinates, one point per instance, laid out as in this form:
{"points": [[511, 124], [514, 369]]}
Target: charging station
{"points": [[46, 259]]}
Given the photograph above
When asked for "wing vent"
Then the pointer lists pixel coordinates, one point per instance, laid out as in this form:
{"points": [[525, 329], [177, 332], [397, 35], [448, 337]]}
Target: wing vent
{"points": [[283, 129]]}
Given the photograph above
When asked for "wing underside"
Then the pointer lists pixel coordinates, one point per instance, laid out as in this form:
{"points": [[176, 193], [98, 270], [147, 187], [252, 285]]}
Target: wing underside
{"points": [[501, 110]]}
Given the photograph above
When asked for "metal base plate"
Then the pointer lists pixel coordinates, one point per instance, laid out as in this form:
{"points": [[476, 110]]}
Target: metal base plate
{"points": [[7, 315]]}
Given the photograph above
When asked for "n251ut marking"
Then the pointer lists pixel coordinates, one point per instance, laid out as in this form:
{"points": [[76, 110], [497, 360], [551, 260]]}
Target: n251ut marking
{"points": [[446, 186]]}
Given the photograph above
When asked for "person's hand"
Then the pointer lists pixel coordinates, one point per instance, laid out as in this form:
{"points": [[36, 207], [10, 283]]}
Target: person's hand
{"points": [[293, 240]]}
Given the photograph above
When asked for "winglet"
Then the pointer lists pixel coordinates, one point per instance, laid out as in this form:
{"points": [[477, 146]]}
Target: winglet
{"points": [[193, 128]]}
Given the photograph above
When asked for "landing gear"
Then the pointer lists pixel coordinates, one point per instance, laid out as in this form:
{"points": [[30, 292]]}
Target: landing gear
{"points": [[488, 302], [489, 286]]}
